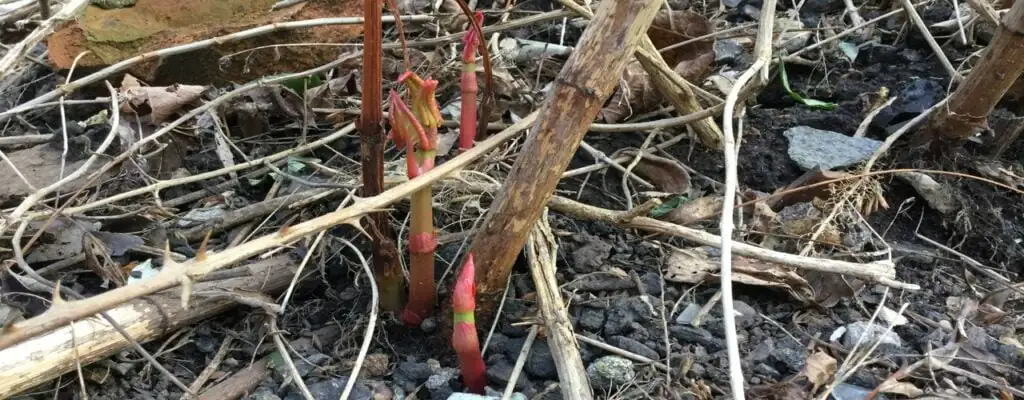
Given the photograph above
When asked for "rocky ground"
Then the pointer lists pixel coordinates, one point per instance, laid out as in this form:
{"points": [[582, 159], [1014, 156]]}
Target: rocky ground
{"points": [[646, 329]]}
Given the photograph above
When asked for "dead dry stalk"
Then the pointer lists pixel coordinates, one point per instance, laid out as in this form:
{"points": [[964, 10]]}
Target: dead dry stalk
{"points": [[763, 54]]}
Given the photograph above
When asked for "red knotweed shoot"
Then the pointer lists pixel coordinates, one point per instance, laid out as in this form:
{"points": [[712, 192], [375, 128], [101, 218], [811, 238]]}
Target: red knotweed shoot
{"points": [[468, 84], [415, 128], [464, 337]]}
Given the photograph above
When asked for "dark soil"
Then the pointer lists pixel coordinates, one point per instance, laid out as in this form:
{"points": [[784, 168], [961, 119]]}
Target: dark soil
{"points": [[613, 278]]}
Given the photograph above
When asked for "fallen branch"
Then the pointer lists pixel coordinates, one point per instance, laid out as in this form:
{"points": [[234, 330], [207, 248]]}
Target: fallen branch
{"points": [[882, 273], [36, 361]]}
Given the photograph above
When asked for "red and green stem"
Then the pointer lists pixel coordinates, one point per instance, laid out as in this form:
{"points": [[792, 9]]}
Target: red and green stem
{"points": [[415, 128], [422, 243], [464, 336]]}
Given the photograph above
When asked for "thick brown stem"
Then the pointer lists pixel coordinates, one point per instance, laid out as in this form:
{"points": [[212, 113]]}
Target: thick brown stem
{"points": [[580, 90], [977, 96], [371, 151]]}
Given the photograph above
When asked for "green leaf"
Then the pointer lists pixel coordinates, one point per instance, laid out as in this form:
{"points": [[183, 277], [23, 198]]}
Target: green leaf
{"points": [[297, 164], [299, 85], [668, 206], [812, 103]]}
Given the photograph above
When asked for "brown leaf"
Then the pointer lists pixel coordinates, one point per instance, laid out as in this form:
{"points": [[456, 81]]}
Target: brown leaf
{"points": [[62, 239], [636, 93], [819, 369], [696, 265], [829, 288], [676, 26], [696, 210], [667, 174], [902, 388], [158, 102], [97, 257]]}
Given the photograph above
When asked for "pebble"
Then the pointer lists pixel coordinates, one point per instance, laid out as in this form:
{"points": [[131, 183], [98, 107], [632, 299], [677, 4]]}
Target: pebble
{"points": [[789, 354], [845, 391], [592, 319], [873, 333], [812, 148], [633, 346], [609, 372], [540, 363], [429, 325], [618, 321], [332, 389], [727, 51], [701, 336], [500, 373], [746, 316], [441, 380], [263, 393], [688, 315], [415, 372]]}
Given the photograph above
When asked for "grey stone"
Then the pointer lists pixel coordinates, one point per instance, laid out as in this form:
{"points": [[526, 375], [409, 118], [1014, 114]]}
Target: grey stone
{"points": [[870, 333], [500, 373], [639, 332], [767, 370], [652, 283], [728, 51], [429, 325], [790, 355], [609, 372], [633, 346], [763, 349], [540, 363], [440, 380], [513, 347], [688, 315], [618, 320], [415, 372], [814, 148], [845, 391], [591, 254], [701, 336], [592, 319], [497, 343], [332, 389], [263, 393], [441, 393], [746, 315], [698, 370]]}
